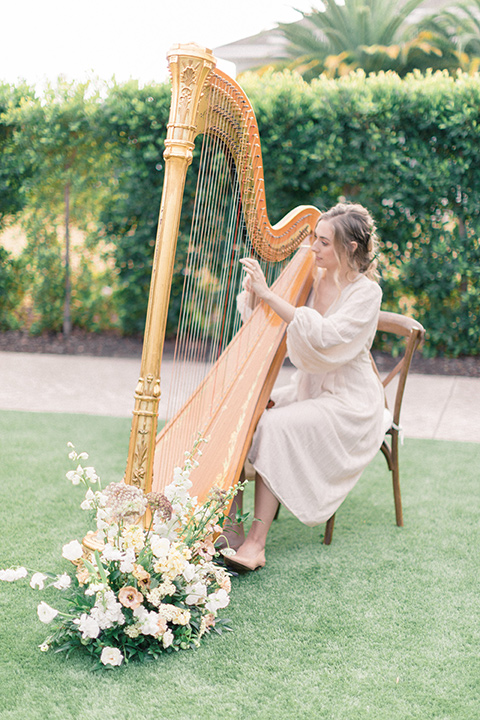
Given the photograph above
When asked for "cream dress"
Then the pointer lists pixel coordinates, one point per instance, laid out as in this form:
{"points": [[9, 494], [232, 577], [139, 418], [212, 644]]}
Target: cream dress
{"points": [[329, 422]]}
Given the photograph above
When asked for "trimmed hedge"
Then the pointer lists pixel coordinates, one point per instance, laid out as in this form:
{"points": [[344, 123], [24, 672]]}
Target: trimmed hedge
{"points": [[408, 149]]}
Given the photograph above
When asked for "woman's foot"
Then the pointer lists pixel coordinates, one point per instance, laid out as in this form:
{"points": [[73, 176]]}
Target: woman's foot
{"points": [[247, 558]]}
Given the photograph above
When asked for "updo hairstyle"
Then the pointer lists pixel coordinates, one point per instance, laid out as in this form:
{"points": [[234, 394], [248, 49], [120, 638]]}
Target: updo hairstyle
{"points": [[353, 223]]}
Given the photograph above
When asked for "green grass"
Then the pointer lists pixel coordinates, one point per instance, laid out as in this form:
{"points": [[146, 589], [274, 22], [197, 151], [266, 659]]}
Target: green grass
{"points": [[383, 624]]}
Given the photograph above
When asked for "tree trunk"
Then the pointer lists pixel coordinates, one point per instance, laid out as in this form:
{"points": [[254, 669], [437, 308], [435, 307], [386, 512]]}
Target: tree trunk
{"points": [[67, 323]]}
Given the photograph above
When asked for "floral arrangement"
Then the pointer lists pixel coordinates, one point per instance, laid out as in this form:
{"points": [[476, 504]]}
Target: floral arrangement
{"points": [[137, 592]]}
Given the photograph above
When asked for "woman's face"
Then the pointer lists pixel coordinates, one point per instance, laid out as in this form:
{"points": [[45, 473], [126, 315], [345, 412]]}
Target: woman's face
{"points": [[323, 246]]}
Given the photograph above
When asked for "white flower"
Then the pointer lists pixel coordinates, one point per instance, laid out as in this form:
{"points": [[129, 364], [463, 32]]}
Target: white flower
{"points": [[111, 553], [72, 551], [88, 626], [128, 560], [150, 624], [12, 574], [44, 646], [140, 613], [197, 594], [83, 456], [88, 503], [93, 588], [62, 582], [91, 474], [46, 613], [167, 638], [111, 656], [75, 476], [217, 600], [38, 580], [189, 572], [160, 546]]}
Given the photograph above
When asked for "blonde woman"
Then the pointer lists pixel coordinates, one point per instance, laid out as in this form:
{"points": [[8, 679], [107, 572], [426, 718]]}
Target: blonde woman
{"points": [[311, 447]]}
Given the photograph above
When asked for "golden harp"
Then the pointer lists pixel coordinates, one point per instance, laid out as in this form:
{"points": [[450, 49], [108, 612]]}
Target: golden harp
{"points": [[233, 392]]}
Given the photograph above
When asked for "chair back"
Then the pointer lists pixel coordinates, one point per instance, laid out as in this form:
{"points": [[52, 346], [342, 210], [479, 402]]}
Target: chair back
{"points": [[414, 333]]}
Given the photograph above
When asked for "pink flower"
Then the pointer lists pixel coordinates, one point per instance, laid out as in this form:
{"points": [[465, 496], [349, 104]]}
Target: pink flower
{"points": [[130, 597]]}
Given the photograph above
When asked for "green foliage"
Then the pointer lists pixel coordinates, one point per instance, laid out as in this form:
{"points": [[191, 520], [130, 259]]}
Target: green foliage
{"points": [[45, 275], [14, 167], [59, 139], [408, 150], [11, 290], [135, 120], [374, 35]]}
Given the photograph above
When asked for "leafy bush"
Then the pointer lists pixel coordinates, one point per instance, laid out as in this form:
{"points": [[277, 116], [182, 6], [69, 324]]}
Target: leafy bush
{"points": [[12, 285], [405, 148]]}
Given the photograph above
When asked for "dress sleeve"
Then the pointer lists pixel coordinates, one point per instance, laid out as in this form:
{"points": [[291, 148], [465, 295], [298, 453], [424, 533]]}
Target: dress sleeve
{"points": [[318, 343]]}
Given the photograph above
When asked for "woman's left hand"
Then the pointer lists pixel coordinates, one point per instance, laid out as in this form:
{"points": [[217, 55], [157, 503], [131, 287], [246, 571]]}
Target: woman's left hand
{"points": [[255, 280]]}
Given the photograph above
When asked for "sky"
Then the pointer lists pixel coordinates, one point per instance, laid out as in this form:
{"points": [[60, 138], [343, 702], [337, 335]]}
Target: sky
{"points": [[40, 40]]}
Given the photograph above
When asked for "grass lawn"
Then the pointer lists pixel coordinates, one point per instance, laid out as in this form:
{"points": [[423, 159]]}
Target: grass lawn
{"points": [[383, 624]]}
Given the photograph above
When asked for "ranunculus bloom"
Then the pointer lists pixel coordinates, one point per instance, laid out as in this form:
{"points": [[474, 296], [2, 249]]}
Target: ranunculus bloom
{"points": [[72, 551], [46, 613], [111, 656], [38, 580], [130, 597]]}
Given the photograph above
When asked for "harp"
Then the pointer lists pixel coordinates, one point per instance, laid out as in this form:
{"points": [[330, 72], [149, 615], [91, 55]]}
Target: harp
{"points": [[235, 386]]}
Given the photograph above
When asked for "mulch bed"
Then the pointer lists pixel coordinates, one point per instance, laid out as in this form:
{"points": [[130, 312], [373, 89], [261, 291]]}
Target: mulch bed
{"points": [[112, 345]]}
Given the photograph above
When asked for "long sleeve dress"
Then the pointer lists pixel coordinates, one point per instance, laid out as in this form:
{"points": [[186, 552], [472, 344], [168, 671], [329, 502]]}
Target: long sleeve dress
{"points": [[329, 422]]}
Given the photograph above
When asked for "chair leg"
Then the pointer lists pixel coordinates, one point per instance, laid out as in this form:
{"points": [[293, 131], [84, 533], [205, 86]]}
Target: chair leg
{"points": [[329, 530], [397, 497]]}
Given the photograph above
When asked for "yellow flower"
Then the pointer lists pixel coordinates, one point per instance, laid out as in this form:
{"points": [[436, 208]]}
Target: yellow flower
{"points": [[171, 565], [133, 537], [130, 597]]}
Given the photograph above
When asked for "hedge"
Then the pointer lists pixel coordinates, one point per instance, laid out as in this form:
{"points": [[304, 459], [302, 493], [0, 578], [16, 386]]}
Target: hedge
{"points": [[408, 149]]}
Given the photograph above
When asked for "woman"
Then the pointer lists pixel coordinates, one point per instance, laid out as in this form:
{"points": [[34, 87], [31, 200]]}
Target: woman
{"points": [[324, 428]]}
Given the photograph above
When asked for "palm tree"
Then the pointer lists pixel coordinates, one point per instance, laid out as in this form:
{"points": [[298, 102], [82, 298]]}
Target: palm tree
{"points": [[457, 31], [370, 34]]}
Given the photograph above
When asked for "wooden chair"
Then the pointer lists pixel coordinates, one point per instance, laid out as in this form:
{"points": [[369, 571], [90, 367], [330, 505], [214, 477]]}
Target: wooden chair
{"points": [[413, 332]]}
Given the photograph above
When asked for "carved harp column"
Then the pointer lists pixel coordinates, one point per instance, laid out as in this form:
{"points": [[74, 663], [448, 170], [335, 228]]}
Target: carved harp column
{"points": [[189, 72]]}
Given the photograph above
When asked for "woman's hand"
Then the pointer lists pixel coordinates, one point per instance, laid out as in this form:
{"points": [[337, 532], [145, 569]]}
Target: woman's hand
{"points": [[256, 283], [255, 280]]}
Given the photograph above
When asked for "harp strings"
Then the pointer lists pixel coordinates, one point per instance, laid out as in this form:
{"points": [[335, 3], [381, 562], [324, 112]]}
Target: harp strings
{"points": [[213, 275]]}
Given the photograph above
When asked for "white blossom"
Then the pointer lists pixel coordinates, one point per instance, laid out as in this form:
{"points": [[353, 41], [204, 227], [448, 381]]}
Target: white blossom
{"points": [[111, 553], [91, 474], [38, 580], [62, 582], [128, 560], [189, 572], [111, 656], [167, 638], [88, 626], [217, 600], [196, 593], [160, 546], [72, 551], [46, 613], [12, 574]]}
